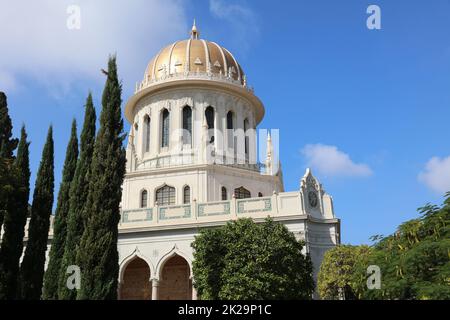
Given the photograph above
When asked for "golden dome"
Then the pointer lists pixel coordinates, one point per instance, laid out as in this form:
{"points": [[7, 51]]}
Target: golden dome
{"points": [[194, 55]]}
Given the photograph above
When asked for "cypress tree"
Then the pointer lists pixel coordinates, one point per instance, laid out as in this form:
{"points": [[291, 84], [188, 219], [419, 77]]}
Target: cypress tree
{"points": [[7, 147], [15, 220], [32, 267], [50, 291], [78, 194], [98, 256]]}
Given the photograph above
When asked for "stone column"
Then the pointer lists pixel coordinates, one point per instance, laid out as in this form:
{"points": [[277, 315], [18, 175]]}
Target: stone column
{"points": [[155, 289], [194, 293], [119, 286]]}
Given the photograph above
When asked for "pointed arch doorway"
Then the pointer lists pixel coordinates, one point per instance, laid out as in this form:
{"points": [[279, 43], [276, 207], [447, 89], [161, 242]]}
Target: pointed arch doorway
{"points": [[136, 283], [175, 282]]}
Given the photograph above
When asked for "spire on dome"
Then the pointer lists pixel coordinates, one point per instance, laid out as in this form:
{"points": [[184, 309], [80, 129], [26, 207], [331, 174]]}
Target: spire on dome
{"points": [[194, 32]]}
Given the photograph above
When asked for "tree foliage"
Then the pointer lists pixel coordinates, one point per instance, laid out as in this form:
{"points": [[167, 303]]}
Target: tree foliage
{"points": [[7, 147], [414, 261], [15, 220], [51, 276], [248, 260], [336, 274], [97, 256], [79, 189], [32, 267]]}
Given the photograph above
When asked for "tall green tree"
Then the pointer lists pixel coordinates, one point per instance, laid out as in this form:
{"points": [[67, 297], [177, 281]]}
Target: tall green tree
{"points": [[32, 267], [247, 260], [7, 147], [97, 255], [15, 220], [50, 291], [79, 189]]}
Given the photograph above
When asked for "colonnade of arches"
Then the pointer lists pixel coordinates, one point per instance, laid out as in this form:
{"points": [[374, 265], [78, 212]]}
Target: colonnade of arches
{"points": [[174, 281], [143, 131]]}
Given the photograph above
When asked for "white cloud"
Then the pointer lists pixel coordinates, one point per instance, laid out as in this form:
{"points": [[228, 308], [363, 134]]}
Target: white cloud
{"points": [[36, 42], [436, 175], [330, 161], [243, 21]]}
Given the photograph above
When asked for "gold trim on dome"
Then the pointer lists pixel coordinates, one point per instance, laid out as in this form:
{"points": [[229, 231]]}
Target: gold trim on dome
{"points": [[207, 61], [188, 52], [235, 63], [225, 65], [169, 65]]}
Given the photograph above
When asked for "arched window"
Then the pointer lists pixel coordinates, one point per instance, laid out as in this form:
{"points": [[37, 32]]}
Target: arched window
{"points": [[209, 114], [246, 142], [224, 193], [147, 133], [165, 195], [230, 127], [241, 193], [187, 125], [144, 197], [186, 195], [165, 128], [230, 120], [260, 194]]}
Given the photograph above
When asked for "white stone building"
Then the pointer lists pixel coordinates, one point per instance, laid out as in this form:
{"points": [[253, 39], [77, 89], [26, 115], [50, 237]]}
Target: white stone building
{"points": [[192, 163]]}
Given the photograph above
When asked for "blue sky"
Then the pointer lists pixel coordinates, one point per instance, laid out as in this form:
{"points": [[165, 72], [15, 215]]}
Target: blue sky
{"points": [[368, 110]]}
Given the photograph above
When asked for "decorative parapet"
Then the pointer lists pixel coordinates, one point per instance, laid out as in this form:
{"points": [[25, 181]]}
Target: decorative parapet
{"points": [[213, 208], [174, 212], [165, 162], [136, 215], [285, 205], [254, 205], [178, 160], [148, 82]]}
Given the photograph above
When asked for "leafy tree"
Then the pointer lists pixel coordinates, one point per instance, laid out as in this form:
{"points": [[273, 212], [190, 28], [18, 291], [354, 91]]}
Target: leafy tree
{"points": [[7, 147], [414, 261], [78, 194], [15, 220], [32, 267], [51, 276], [246, 260], [209, 262], [336, 274], [97, 255]]}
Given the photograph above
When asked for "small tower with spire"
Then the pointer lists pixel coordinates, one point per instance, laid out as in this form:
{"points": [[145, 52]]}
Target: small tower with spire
{"points": [[269, 156]]}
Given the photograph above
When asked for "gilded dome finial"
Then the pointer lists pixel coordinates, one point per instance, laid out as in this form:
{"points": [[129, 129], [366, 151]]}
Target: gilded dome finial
{"points": [[194, 32]]}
